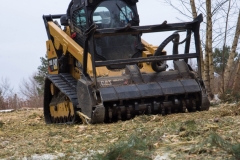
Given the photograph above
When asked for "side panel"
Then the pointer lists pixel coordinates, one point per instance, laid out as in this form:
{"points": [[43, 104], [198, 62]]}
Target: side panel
{"points": [[53, 67], [67, 44]]}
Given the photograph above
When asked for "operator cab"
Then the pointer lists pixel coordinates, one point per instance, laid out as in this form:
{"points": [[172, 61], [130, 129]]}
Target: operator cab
{"points": [[109, 14]]}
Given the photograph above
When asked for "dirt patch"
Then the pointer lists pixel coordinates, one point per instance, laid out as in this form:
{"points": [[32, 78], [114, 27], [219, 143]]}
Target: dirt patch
{"points": [[178, 136]]}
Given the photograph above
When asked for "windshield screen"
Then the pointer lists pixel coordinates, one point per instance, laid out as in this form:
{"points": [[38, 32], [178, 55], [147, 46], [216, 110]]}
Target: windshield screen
{"points": [[114, 14]]}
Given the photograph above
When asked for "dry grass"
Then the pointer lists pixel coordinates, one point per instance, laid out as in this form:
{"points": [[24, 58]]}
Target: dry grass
{"points": [[181, 136]]}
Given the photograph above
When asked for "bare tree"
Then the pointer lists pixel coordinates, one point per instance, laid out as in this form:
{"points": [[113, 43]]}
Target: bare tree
{"points": [[224, 46], [217, 13], [194, 15], [206, 64], [208, 74], [5, 87], [6, 91], [29, 89], [209, 48], [232, 55]]}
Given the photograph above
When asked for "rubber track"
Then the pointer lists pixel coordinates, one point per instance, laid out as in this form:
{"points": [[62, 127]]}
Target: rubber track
{"points": [[66, 84]]}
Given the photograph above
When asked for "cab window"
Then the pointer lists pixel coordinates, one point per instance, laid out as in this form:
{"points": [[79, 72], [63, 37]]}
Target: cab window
{"points": [[126, 14], [101, 16], [112, 14], [79, 19]]}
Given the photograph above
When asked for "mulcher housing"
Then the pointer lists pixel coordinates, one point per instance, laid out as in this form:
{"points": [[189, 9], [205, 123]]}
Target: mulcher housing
{"points": [[101, 69]]}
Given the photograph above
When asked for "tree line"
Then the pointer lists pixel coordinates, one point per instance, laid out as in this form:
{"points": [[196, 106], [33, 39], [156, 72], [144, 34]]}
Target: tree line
{"points": [[30, 90]]}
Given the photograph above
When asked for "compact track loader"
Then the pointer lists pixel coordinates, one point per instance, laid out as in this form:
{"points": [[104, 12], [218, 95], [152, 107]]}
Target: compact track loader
{"points": [[101, 69]]}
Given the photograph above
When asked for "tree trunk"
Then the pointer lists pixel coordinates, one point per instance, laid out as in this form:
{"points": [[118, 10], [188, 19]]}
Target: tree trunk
{"points": [[193, 6], [223, 83], [209, 72], [194, 14], [210, 54], [206, 65], [231, 58]]}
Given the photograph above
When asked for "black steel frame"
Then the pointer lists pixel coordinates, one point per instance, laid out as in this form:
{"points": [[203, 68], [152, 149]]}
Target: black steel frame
{"points": [[189, 27]]}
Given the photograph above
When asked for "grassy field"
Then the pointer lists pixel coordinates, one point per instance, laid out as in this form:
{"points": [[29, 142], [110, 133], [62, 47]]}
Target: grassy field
{"points": [[202, 135]]}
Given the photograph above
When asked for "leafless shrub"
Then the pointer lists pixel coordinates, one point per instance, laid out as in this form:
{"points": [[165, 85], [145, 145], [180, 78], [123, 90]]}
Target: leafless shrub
{"points": [[29, 90], [6, 91], [5, 88], [28, 97]]}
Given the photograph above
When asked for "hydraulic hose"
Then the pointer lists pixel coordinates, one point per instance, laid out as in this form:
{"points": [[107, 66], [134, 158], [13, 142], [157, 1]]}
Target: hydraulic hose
{"points": [[175, 43], [159, 67]]}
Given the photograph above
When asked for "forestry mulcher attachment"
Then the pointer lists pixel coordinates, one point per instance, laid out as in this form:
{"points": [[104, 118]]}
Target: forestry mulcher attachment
{"points": [[101, 68]]}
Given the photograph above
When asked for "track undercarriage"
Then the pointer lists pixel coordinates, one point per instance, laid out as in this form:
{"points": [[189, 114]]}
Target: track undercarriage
{"points": [[60, 96], [63, 110]]}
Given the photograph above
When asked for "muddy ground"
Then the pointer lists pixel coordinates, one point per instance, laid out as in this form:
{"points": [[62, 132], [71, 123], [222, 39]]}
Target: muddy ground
{"points": [[214, 134]]}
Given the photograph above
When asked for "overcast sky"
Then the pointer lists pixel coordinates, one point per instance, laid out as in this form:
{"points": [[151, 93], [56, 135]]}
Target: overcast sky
{"points": [[23, 35]]}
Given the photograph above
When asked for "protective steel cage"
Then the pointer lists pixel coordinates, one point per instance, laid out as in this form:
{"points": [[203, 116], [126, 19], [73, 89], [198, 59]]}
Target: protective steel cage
{"points": [[92, 32], [189, 27]]}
